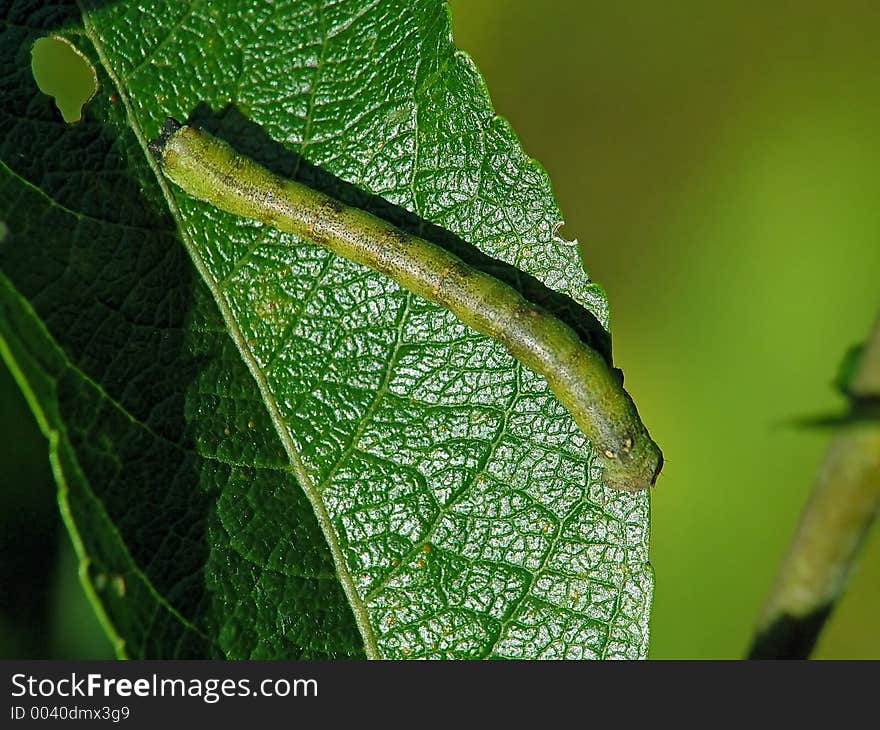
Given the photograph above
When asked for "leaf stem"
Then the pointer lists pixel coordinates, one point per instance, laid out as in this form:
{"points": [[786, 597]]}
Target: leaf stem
{"points": [[832, 529]]}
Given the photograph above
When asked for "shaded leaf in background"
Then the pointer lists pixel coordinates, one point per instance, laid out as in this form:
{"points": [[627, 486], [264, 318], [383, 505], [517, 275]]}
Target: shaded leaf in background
{"points": [[28, 530], [457, 496]]}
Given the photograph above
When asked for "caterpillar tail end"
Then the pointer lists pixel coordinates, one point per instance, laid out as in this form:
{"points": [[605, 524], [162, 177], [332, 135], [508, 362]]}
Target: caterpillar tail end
{"points": [[157, 144]]}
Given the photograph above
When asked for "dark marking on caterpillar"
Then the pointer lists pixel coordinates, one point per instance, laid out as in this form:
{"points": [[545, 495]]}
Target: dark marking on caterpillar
{"points": [[333, 206], [582, 379]]}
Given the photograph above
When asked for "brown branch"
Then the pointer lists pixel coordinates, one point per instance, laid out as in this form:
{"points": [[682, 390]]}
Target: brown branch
{"points": [[833, 526]]}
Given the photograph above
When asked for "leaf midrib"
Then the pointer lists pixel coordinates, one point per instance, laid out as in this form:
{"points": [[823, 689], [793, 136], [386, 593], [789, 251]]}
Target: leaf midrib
{"points": [[358, 607]]}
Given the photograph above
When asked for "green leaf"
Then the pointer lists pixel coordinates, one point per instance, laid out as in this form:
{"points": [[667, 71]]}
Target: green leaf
{"points": [[264, 450]]}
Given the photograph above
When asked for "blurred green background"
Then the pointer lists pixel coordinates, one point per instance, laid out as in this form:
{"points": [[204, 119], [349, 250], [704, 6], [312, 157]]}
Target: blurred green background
{"points": [[720, 164]]}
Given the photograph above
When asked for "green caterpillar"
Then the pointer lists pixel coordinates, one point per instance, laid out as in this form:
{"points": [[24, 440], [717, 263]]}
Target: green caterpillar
{"points": [[583, 381]]}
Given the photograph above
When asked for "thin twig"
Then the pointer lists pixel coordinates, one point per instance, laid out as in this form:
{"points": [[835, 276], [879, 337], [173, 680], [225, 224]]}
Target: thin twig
{"points": [[833, 526]]}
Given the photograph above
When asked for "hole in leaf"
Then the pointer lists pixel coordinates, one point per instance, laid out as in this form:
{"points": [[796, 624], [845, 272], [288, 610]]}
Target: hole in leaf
{"points": [[63, 73]]}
